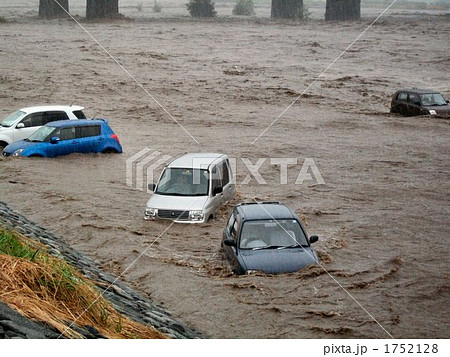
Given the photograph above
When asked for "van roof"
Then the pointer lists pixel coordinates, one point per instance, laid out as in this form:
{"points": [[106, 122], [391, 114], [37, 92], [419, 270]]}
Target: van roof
{"points": [[201, 160]]}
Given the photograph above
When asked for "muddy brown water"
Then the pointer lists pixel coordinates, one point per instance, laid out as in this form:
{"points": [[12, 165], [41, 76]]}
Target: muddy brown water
{"points": [[382, 214]]}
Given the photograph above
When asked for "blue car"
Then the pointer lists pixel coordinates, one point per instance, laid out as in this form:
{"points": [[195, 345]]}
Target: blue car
{"points": [[66, 137], [267, 237]]}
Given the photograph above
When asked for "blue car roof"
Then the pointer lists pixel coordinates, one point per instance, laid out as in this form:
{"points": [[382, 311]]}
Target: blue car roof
{"points": [[265, 210], [78, 122]]}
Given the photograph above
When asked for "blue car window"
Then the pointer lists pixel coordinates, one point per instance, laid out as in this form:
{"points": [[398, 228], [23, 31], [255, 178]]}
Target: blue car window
{"points": [[65, 133], [89, 130]]}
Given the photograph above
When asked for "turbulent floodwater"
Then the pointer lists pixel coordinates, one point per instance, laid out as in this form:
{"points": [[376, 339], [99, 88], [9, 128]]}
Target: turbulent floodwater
{"points": [[382, 214]]}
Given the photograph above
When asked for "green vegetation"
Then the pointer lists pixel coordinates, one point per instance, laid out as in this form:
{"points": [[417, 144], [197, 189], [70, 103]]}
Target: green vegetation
{"points": [[201, 8], [11, 245], [157, 7], [244, 8], [50, 290]]}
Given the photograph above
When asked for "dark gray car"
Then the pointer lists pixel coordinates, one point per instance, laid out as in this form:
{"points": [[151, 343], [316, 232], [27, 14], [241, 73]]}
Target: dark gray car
{"points": [[411, 102], [267, 237]]}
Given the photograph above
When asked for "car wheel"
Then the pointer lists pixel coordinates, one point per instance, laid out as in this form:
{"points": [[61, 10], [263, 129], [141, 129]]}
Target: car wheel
{"points": [[3, 144], [109, 151]]}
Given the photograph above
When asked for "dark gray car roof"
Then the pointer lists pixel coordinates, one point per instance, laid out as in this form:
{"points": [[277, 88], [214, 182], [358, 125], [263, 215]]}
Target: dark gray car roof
{"points": [[264, 210], [418, 91]]}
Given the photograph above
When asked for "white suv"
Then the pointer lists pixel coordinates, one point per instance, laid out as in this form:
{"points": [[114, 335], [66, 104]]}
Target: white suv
{"points": [[24, 122]]}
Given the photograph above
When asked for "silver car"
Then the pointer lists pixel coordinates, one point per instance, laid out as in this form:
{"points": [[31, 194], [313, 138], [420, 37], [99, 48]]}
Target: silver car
{"points": [[191, 188]]}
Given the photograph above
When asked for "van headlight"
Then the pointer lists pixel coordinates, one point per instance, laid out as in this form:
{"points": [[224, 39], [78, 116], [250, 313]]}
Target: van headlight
{"points": [[150, 213], [18, 152], [196, 215]]}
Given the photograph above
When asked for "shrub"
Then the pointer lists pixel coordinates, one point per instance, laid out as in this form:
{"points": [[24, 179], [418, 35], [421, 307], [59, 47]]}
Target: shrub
{"points": [[304, 13], [157, 7], [201, 8], [244, 7]]}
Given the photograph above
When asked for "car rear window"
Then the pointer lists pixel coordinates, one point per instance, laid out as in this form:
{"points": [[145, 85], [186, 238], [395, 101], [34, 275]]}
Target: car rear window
{"points": [[89, 130], [79, 114]]}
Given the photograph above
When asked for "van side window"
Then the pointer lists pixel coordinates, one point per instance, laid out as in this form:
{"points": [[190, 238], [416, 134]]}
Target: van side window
{"points": [[90, 130], [402, 96], [225, 173], [216, 178]]}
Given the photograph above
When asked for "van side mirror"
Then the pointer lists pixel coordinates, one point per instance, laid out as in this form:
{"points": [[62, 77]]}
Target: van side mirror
{"points": [[313, 239], [20, 126], [229, 242], [151, 187], [54, 140], [217, 190]]}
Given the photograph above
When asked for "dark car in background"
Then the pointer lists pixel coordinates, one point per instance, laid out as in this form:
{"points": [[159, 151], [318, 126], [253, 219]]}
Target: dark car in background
{"points": [[412, 102], [267, 237], [66, 137]]}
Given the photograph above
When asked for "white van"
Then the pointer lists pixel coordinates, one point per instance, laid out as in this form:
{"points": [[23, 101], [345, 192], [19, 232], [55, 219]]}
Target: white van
{"points": [[191, 188]]}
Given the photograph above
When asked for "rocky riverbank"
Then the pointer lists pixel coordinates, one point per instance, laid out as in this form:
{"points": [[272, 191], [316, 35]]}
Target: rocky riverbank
{"points": [[121, 296]]}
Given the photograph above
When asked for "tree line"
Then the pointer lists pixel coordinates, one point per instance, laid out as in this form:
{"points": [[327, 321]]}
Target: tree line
{"points": [[336, 10]]}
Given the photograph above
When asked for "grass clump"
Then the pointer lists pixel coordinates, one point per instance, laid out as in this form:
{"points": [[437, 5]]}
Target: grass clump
{"points": [[11, 245], [244, 8], [201, 8], [157, 7], [47, 289]]}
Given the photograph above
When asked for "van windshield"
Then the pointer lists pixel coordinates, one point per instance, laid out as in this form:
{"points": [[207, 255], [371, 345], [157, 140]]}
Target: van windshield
{"points": [[183, 182]]}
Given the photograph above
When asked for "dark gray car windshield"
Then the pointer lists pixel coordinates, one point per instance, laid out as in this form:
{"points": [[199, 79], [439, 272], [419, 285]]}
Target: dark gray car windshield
{"points": [[272, 234], [183, 182], [10, 119], [432, 99], [42, 134]]}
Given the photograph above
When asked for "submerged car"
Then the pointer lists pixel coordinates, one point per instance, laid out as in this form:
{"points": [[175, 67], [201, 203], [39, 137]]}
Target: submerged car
{"points": [[412, 102], [24, 122], [191, 188], [67, 137], [267, 237]]}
